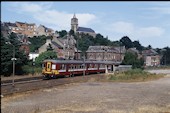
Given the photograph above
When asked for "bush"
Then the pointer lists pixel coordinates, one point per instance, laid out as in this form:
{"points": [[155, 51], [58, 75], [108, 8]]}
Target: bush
{"points": [[31, 70]]}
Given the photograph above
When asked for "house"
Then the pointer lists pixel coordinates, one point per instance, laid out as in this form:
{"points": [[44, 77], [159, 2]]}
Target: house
{"points": [[10, 27], [42, 30], [28, 29], [151, 58], [33, 55], [65, 47], [135, 51], [69, 49], [77, 29], [107, 53]]}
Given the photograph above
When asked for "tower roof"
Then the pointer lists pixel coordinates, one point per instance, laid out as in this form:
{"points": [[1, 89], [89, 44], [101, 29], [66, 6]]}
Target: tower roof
{"points": [[74, 16]]}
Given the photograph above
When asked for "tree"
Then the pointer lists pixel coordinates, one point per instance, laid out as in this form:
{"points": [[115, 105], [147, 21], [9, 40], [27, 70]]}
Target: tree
{"points": [[62, 33], [149, 47], [126, 42], [37, 42], [137, 45], [166, 56], [7, 54], [100, 40], [132, 59], [45, 55], [71, 32]]}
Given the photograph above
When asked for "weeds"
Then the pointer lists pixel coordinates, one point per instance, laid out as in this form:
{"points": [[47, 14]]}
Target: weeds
{"points": [[133, 75]]}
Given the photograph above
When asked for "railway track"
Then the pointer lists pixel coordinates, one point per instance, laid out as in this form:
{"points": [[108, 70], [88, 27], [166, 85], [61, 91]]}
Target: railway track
{"points": [[6, 82], [23, 86]]}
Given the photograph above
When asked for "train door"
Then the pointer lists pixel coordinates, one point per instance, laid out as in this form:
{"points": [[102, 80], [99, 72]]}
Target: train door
{"points": [[48, 66]]}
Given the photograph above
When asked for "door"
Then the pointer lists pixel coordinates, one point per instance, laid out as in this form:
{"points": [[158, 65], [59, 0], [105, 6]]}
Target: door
{"points": [[48, 66]]}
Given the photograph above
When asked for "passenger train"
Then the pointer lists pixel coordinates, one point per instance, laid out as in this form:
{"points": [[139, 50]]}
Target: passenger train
{"points": [[54, 68]]}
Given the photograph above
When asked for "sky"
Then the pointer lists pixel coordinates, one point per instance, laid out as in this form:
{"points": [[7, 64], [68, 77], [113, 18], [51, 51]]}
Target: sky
{"points": [[146, 22]]}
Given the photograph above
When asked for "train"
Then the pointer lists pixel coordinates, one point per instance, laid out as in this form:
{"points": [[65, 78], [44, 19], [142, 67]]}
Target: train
{"points": [[53, 68]]}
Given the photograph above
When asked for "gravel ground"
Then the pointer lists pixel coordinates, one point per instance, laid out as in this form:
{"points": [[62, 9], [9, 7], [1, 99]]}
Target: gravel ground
{"points": [[94, 97]]}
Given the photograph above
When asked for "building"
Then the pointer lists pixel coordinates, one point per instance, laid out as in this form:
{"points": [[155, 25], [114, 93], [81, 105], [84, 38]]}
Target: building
{"points": [[77, 29], [135, 51], [69, 47], [107, 53], [42, 30], [65, 47], [9, 27], [151, 58], [28, 29], [33, 55]]}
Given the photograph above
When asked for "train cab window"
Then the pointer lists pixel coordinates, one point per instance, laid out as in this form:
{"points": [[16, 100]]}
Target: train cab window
{"points": [[48, 66], [53, 66]]}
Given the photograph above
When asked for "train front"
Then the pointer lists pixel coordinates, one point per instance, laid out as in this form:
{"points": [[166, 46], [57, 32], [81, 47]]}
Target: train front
{"points": [[49, 69]]}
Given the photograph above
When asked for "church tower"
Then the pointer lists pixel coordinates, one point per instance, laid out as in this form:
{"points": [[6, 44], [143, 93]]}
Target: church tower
{"points": [[74, 23]]}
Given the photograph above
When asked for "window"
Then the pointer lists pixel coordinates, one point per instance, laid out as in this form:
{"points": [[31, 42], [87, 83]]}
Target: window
{"points": [[90, 66], [48, 66], [63, 66], [53, 66]]}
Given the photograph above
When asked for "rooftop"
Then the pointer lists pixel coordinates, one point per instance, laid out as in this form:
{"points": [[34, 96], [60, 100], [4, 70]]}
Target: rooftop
{"points": [[84, 29]]}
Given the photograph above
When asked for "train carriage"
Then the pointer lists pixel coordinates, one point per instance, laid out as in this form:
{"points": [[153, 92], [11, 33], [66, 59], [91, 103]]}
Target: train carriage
{"points": [[54, 68]]}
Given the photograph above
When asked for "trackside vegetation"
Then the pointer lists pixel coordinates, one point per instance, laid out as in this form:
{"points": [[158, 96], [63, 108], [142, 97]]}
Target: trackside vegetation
{"points": [[134, 75]]}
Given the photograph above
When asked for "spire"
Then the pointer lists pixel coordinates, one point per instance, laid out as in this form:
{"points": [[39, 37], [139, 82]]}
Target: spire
{"points": [[74, 15]]}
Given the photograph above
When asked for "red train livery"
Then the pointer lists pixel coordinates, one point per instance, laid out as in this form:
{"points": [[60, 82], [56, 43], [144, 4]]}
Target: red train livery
{"points": [[53, 68]]}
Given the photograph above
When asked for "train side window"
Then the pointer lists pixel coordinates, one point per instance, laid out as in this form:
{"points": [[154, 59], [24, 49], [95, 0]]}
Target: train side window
{"points": [[62, 66], [53, 66], [90, 65]]}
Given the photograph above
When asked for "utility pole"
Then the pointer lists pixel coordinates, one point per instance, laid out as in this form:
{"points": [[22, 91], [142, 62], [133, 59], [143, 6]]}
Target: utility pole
{"points": [[13, 61], [120, 52], [84, 66], [77, 45]]}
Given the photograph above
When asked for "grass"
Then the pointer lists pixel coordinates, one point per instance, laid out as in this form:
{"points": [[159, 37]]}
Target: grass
{"points": [[134, 75]]}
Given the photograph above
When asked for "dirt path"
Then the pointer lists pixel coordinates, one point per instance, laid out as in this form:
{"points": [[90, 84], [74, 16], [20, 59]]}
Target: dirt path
{"points": [[94, 97]]}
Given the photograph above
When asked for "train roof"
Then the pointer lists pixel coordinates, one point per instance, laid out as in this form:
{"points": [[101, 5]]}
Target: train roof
{"points": [[80, 61]]}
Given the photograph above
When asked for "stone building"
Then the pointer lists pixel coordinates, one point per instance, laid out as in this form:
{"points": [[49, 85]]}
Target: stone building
{"points": [[77, 29], [42, 30], [106, 53], [65, 47], [28, 29], [151, 58]]}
